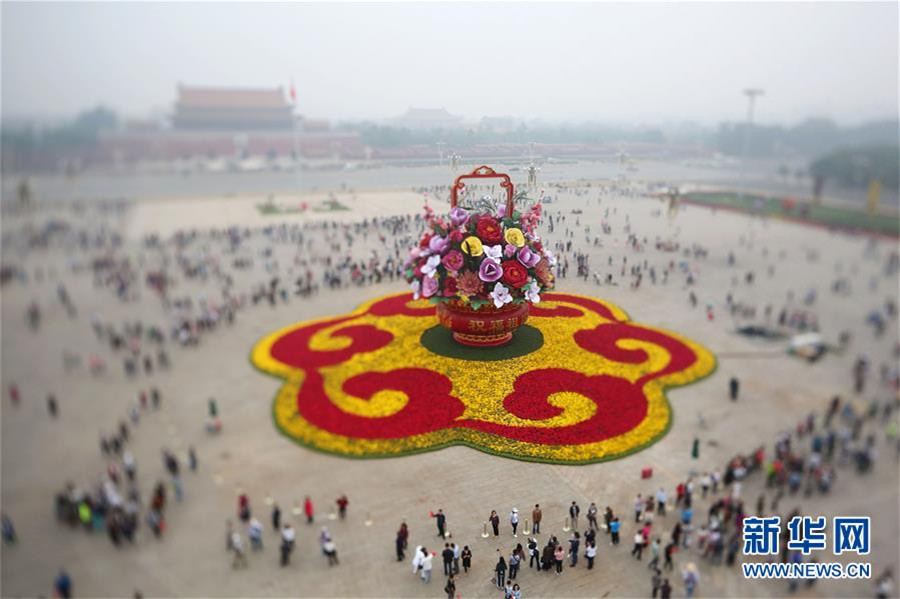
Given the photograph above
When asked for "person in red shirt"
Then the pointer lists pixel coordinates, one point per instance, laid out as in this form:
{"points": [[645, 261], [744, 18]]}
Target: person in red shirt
{"points": [[308, 509], [342, 502]]}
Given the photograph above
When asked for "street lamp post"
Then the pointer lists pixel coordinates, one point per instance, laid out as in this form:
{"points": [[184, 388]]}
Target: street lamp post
{"points": [[751, 94]]}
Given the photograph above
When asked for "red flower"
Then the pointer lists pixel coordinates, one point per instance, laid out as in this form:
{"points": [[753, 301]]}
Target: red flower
{"points": [[514, 274], [538, 246], [488, 229], [457, 235], [449, 287], [425, 239]]}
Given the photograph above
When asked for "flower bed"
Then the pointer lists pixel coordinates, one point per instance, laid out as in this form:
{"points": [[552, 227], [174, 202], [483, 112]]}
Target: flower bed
{"points": [[364, 385]]}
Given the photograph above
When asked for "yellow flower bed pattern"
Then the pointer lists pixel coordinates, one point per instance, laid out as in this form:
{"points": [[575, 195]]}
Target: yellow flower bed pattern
{"points": [[363, 385]]}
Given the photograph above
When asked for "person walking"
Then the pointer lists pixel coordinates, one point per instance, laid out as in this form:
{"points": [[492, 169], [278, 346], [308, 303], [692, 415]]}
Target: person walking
{"points": [[308, 510], [500, 570], [401, 541], [52, 406], [466, 559], [427, 566], [665, 591], [534, 553], [638, 507], [515, 560], [192, 459], [614, 528], [494, 519], [457, 552], [733, 388], [559, 554], [276, 517], [536, 516], [514, 520], [237, 547], [288, 536], [592, 516], [590, 552], [330, 551], [667, 553], [655, 582], [254, 533], [9, 530], [574, 544], [661, 499], [655, 550], [447, 556], [638, 545], [608, 518], [574, 510], [450, 588], [62, 584], [342, 503], [691, 577]]}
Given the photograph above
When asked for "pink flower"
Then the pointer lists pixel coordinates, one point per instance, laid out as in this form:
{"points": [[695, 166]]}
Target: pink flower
{"points": [[510, 250], [459, 216], [453, 260], [438, 244], [429, 286]]}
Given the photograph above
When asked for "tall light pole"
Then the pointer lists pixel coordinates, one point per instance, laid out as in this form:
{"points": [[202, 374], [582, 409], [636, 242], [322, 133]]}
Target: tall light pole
{"points": [[751, 94]]}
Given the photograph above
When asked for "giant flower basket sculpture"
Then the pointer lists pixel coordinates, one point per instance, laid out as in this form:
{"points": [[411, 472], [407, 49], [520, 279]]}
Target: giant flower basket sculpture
{"points": [[482, 264]]}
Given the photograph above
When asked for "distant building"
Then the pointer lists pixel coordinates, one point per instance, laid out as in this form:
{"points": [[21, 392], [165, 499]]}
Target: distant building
{"points": [[499, 124], [231, 109], [427, 119], [232, 123]]}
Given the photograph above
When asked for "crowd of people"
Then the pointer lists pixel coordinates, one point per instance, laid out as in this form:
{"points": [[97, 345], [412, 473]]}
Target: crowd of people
{"points": [[204, 280]]}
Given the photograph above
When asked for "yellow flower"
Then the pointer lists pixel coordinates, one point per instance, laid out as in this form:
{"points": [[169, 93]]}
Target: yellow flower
{"points": [[515, 237], [472, 246]]}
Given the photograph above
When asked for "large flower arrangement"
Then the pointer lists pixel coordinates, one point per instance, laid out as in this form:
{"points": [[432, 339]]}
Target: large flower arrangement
{"points": [[481, 256]]}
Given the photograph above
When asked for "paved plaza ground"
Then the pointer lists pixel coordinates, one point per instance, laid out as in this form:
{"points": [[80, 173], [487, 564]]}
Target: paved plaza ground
{"points": [[40, 454]]}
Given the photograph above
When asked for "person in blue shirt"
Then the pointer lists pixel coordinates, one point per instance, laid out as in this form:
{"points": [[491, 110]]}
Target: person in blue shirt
{"points": [[614, 528]]}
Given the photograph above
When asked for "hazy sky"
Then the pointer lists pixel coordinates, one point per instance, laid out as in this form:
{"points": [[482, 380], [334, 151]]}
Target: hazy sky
{"points": [[609, 62]]}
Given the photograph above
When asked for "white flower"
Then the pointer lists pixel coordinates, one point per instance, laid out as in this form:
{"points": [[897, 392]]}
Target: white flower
{"points": [[532, 292], [494, 252], [501, 295], [431, 265], [417, 288], [551, 259]]}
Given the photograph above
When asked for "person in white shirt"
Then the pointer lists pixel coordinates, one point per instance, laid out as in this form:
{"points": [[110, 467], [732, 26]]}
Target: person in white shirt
{"points": [[426, 568], [661, 499], [237, 546], [254, 533], [590, 552], [418, 558], [514, 520]]}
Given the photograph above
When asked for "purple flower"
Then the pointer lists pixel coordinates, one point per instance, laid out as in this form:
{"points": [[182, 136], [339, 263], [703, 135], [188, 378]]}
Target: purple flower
{"points": [[489, 271], [509, 251], [438, 244], [459, 216], [528, 258], [429, 286], [501, 211]]}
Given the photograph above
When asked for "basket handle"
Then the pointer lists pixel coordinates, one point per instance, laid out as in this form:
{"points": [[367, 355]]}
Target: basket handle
{"points": [[485, 172]]}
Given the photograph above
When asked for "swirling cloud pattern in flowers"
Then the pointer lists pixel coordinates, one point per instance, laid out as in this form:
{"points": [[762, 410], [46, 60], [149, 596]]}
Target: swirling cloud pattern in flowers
{"points": [[363, 385]]}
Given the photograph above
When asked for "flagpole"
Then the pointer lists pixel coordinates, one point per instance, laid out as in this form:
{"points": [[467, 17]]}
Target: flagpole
{"points": [[296, 137]]}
